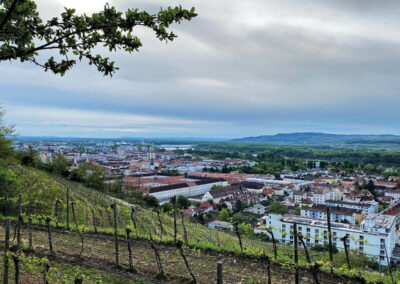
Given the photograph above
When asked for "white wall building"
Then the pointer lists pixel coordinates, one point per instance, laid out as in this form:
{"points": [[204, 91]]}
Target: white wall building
{"points": [[393, 193], [371, 237], [187, 191], [368, 208], [257, 209], [317, 195]]}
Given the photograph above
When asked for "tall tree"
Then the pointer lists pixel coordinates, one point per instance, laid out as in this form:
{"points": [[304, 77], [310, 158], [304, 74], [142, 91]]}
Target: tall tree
{"points": [[8, 184], [60, 165], [223, 215], [24, 34], [182, 202], [277, 208]]}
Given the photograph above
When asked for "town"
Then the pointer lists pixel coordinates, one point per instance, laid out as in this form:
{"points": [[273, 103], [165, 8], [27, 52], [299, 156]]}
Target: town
{"points": [[364, 208]]}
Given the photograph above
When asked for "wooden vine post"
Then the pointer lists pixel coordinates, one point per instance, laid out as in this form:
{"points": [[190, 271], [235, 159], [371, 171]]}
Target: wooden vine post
{"points": [[5, 211], [6, 248], [133, 216], [219, 272], [179, 244], [16, 268], [237, 231], [269, 230], [58, 202], [344, 240], [328, 217], [48, 219], [114, 207], [265, 259], [296, 256], [94, 220], [129, 240], [68, 208], [314, 269], [19, 220], [159, 221], [175, 228], [185, 238], [45, 271], [73, 214], [30, 233], [158, 260]]}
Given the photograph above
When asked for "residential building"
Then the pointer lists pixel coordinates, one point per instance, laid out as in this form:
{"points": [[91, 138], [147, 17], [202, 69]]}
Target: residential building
{"points": [[375, 236], [368, 208], [338, 214], [258, 209], [393, 193], [196, 187]]}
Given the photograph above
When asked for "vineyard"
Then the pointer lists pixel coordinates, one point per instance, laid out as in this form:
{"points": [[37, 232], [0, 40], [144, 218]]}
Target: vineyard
{"points": [[99, 239]]}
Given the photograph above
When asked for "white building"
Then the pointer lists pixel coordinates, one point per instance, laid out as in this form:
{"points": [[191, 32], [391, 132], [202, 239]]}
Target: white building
{"points": [[317, 195], [257, 209], [338, 214], [164, 193], [368, 208], [393, 193], [374, 234]]}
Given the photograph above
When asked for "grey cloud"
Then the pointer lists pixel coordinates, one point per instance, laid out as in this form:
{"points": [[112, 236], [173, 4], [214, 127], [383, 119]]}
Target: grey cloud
{"points": [[249, 66]]}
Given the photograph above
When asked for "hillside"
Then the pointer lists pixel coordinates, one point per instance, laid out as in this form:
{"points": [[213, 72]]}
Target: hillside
{"points": [[204, 248], [315, 138]]}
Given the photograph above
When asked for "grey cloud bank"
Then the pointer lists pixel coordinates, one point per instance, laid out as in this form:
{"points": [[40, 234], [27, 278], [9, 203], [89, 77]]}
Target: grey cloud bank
{"points": [[247, 68]]}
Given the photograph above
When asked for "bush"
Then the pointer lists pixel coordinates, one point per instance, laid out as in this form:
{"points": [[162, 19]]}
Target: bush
{"points": [[151, 201], [167, 207]]}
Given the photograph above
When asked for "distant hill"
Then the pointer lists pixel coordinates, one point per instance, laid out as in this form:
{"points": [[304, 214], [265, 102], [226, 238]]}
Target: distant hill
{"points": [[315, 138]]}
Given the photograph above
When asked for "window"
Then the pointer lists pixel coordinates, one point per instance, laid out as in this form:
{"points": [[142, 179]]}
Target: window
{"points": [[382, 252], [308, 230], [316, 242], [283, 226]]}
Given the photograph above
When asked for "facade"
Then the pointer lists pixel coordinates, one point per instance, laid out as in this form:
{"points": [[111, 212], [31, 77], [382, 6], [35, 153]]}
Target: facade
{"points": [[338, 214], [317, 195], [230, 193], [393, 193], [375, 236], [165, 193], [368, 208], [258, 209]]}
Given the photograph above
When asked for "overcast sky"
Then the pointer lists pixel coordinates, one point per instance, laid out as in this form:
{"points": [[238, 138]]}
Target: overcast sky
{"points": [[240, 68]]}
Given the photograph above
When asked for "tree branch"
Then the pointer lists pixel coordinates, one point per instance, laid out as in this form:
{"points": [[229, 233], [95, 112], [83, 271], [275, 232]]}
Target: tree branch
{"points": [[8, 14]]}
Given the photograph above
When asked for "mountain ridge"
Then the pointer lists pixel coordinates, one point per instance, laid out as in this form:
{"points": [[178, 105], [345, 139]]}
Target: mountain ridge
{"points": [[319, 138]]}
